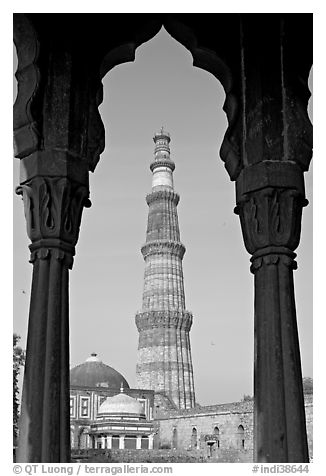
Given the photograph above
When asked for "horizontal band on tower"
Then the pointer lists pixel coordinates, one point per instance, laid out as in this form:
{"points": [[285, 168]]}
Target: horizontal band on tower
{"points": [[162, 162], [163, 246], [163, 195], [166, 318]]}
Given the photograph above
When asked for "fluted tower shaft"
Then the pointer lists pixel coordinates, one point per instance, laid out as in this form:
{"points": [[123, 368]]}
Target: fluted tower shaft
{"points": [[164, 354]]}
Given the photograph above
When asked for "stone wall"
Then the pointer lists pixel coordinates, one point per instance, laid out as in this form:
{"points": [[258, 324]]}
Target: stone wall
{"points": [[176, 429], [160, 456], [138, 456], [205, 423]]}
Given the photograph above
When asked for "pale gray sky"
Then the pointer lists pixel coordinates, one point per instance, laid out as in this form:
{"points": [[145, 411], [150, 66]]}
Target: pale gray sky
{"points": [[163, 88]]}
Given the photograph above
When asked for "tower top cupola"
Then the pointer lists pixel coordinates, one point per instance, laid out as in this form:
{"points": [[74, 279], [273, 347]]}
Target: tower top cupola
{"points": [[162, 149], [162, 135], [162, 166]]}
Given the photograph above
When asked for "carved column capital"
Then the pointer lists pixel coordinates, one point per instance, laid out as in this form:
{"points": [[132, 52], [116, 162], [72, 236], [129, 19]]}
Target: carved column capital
{"points": [[53, 208], [271, 224]]}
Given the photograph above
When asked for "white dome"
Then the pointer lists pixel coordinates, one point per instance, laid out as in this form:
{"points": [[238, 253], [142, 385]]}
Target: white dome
{"points": [[121, 403]]}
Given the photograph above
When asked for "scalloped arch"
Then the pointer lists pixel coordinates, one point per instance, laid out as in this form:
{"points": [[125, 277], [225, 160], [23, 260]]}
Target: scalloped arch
{"points": [[26, 133], [203, 58]]}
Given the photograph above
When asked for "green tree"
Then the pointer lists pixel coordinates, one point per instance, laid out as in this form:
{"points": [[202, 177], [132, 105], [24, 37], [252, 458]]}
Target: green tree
{"points": [[247, 398], [18, 361], [307, 384]]}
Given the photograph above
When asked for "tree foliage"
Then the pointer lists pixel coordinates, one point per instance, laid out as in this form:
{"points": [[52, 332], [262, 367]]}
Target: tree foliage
{"points": [[247, 398], [307, 384], [18, 361]]}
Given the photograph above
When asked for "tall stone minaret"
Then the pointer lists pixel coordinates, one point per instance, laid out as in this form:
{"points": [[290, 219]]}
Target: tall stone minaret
{"points": [[164, 355]]}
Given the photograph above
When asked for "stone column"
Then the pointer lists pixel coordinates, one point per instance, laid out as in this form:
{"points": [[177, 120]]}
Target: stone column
{"points": [[121, 442], [58, 137], [138, 442], [53, 208], [109, 442], [150, 442], [271, 222], [276, 149]]}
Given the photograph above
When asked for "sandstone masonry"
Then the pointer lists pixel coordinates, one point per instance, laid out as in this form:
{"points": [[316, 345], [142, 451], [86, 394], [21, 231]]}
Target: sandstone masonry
{"points": [[164, 355]]}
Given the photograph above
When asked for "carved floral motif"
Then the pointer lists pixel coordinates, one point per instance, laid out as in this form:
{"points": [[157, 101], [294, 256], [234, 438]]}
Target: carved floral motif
{"points": [[53, 209], [271, 217]]}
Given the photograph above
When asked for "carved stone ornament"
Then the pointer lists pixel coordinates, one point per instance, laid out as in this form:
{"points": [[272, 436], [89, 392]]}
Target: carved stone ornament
{"points": [[26, 129], [167, 318], [163, 247], [271, 220], [96, 132], [163, 195], [53, 209], [162, 163]]}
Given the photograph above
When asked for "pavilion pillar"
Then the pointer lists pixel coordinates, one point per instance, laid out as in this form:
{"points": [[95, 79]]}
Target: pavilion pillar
{"points": [[276, 148], [271, 220], [121, 442], [53, 208], [58, 138]]}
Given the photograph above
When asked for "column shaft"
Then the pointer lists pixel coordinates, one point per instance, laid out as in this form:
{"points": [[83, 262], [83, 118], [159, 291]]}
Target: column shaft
{"points": [[121, 442], [271, 224], [44, 422], [280, 429], [53, 208]]}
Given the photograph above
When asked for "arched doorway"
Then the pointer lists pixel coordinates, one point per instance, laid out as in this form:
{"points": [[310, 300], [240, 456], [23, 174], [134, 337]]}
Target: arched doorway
{"points": [[115, 441], [144, 442], [130, 442], [194, 441], [217, 435], [174, 438], [241, 437]]}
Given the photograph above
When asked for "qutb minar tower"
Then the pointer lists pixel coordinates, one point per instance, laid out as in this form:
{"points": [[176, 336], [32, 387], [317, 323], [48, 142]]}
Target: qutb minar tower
{"points": [[164, 355]]}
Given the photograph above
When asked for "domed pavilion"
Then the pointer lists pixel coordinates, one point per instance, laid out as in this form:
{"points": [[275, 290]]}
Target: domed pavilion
{"points": [[121, 423], [94, 386]]}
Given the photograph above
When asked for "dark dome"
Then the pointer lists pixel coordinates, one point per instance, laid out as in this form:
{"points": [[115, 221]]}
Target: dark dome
{"points": [[93, 373]]}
